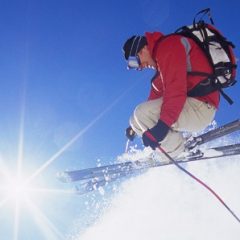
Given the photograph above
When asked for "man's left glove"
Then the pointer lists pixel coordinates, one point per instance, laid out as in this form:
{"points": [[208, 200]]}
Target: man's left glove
{"points": [[130, 134], [154, 135]]}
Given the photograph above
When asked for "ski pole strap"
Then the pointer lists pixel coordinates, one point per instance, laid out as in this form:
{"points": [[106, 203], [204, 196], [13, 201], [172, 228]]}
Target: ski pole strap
{"points": [[199, 181], [151, 137], [227, 98]]}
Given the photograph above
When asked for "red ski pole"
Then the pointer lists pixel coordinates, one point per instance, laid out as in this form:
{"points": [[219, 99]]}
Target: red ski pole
{"points": [[150, 136]]}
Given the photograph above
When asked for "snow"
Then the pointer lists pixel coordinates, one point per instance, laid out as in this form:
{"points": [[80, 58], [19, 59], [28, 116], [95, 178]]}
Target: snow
{"points": [[166, 204], [135, 154]]}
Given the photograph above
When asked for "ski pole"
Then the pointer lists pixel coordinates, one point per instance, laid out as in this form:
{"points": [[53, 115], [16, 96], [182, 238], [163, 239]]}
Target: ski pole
{"points": [[150, 136]]}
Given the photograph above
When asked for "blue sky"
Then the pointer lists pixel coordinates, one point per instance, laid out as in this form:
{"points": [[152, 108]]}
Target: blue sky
{"points": [[66, 94]]}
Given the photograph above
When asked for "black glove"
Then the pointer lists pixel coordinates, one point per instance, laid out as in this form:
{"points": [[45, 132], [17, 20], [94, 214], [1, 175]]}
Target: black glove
{"points": [[154, 135], [130, 134]]}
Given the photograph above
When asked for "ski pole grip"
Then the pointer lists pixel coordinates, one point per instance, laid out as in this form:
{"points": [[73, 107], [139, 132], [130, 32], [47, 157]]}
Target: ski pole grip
{"points": [[130, 133], [150, 136]]}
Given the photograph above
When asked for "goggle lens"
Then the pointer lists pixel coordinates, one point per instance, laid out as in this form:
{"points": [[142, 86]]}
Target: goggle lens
{"points": [[134, 62]]}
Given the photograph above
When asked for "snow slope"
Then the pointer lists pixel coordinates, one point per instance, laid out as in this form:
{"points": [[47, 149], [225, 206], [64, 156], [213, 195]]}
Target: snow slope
{"points": [[166, 204]]}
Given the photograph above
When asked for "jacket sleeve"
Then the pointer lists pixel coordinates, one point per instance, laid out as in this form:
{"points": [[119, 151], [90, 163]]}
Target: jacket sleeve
{"points": [[156, 91], [172, 64], [153, 95]]}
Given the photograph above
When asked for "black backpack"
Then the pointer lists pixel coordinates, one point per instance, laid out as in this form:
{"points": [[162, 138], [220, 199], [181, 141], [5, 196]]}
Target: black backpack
{"points": [[219, 52]]}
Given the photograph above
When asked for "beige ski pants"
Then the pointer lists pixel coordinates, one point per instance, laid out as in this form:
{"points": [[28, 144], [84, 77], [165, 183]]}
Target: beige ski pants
{"points": [[195, 116]]}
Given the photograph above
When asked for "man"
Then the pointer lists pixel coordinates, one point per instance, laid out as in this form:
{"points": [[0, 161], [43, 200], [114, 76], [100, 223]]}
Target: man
{"points": [[169, 110]]}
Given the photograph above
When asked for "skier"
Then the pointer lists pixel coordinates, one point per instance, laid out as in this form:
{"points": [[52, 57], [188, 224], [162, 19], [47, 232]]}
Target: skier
{"points": [[169, 110]]}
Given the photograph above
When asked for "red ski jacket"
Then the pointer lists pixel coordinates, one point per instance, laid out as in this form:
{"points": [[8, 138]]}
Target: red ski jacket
{"points": [[175, 56]]}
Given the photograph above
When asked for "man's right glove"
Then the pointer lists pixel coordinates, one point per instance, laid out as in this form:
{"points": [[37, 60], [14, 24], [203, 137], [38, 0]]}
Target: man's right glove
{"points": [[154, 135], [130, 134]]}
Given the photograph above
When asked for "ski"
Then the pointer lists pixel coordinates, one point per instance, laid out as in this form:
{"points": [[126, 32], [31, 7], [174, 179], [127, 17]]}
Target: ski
{"points": [[126, 168], [93, 178], [69, 176], [214, 134], [108, 175]]}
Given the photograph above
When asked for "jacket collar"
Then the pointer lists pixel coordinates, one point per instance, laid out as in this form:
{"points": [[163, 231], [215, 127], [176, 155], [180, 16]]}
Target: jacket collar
{"points": [[152, 39]]}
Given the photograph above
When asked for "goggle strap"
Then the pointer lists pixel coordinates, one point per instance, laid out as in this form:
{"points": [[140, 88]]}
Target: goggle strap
{"points": [[130, 54], [138, 45]]}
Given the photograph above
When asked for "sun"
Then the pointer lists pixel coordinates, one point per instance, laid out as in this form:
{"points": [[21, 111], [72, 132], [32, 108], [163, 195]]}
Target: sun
{"points": [[21, 196], [18, 189]]}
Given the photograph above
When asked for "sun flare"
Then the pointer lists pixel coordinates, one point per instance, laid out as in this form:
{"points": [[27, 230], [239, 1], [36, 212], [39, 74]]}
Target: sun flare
{"points": [[17, 189]]}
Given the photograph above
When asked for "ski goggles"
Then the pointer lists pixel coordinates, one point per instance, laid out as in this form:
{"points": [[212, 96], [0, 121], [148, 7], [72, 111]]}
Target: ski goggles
{"points": [[133, 62], [133, 59]]}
